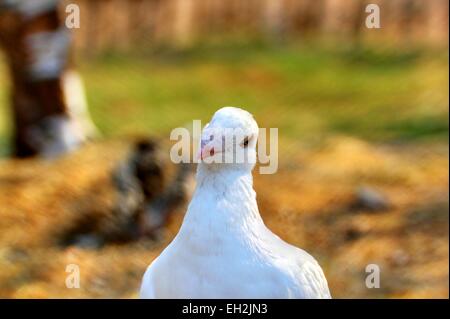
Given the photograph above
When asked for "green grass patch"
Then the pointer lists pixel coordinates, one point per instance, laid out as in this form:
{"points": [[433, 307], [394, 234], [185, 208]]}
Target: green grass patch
{"points": [[306, 91]]}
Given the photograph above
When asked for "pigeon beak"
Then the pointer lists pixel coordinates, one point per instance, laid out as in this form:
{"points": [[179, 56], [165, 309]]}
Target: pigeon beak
{"points": [[205, 152], [207, 149]]}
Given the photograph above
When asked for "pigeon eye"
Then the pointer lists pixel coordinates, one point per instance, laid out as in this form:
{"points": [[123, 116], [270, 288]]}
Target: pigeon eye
{"points": [[245, 142]]}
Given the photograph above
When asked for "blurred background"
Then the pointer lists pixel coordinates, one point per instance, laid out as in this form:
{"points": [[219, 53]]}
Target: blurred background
{"points": [[363, 137]]}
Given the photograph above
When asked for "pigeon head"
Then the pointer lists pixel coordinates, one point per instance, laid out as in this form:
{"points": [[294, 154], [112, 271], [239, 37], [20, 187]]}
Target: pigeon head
{"points": [[229, 139]]}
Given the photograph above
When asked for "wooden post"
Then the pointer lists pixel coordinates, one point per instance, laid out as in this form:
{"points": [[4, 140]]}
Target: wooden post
{"points": [[37, 44]]}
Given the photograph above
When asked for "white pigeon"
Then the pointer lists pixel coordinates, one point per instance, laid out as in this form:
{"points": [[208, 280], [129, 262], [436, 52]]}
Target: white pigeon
{"points": [[223, 249]]}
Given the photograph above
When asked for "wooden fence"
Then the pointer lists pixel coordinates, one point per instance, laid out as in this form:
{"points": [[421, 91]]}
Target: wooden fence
{"points": [[122, 24]]}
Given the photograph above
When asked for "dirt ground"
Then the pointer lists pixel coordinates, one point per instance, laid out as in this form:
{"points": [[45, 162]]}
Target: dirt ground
{"points": [[312, 202]]}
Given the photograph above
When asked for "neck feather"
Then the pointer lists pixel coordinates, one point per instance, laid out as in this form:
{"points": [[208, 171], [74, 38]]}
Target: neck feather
{"points": [[224, 202]]}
